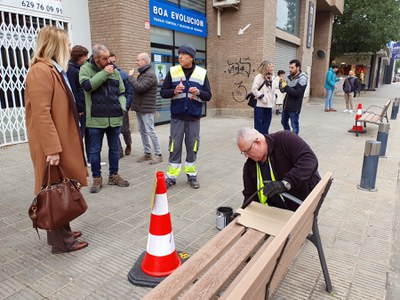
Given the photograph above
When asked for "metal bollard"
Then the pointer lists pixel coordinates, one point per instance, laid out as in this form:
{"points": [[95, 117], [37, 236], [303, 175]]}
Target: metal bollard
{"points": [[383, 133], [395, 109], [370, 166]]}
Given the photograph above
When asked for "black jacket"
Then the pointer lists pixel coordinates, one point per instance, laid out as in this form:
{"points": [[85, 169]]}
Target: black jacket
{"points": [[144, 90], [295, 88], [73, 78], [292, 160]]}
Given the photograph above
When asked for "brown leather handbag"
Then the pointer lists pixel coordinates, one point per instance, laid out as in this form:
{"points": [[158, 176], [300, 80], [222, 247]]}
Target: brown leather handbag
{"points": [[57, 203]]}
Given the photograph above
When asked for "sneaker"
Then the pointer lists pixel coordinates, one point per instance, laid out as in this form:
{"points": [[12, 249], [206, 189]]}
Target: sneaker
{"points": [[156, 160], [170, 182], [145, 157], [97, 184], [350, 111], [116, 179], [192, 180], [332, 109], [346, 110]]}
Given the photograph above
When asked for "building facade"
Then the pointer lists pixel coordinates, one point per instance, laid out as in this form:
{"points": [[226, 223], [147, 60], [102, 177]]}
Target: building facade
{"points": [[232, 38]]}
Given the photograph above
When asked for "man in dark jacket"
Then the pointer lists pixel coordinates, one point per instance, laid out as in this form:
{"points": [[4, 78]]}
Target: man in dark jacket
{"points": [[79, 55], [144, 103], [294, 89], [284, 160], [187, 85]]}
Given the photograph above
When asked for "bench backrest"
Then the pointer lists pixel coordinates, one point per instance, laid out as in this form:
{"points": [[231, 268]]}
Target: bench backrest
{"points": [[384, 110], [258, 277]]}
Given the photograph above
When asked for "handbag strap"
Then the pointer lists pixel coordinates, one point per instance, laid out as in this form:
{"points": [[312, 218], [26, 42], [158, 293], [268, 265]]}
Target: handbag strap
{"points": [[261, 85], [47, 176]]}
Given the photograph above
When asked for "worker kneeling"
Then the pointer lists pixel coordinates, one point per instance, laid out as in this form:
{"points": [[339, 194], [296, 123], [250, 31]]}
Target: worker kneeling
{"points": [[276, 163]]}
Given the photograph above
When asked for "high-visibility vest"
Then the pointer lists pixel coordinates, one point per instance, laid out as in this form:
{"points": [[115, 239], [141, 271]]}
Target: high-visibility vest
{"points": [[182, 102], [260, 183]]}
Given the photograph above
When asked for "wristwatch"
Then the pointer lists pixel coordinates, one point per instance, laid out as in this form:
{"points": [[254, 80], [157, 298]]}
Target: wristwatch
{"points": [[286, 184]]}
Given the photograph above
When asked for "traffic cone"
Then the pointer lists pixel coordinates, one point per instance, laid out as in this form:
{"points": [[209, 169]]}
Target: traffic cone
{"points": [[161, 257], [357, 127]]}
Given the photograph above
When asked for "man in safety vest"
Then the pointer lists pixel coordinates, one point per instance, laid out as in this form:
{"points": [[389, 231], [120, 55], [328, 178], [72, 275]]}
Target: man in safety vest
{"points": [[276, 163], [187, 85]]}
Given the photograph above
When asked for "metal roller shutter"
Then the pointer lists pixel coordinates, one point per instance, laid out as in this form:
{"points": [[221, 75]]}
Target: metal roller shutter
{"points": [[284, 53]]}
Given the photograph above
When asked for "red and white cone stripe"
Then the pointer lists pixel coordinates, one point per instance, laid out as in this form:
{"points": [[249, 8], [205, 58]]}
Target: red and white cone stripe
{"points": [[161, 258]]}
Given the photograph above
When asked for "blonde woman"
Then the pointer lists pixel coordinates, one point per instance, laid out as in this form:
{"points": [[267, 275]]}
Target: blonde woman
{"points": [[265, 96], [52, 123]]}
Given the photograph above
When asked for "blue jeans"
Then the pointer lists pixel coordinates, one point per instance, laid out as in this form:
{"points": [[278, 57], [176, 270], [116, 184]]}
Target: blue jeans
{"points": [[262, 119], [147, 132], [96, 141], [294, 120], [328, 99]]}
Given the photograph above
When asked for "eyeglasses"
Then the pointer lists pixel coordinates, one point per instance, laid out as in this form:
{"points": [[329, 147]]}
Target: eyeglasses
{"points": [[247, 152]]}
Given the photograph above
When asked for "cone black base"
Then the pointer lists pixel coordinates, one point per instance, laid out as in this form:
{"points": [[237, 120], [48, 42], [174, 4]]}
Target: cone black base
{"points": [[362, 131], [137, 277]]}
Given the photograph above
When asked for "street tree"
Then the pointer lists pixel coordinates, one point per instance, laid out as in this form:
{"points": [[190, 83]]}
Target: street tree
{"points": [[365, 26]]}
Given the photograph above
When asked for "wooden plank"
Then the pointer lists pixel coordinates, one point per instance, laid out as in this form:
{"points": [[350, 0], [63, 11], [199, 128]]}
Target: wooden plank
{"points": [[255, 276], [186, 274], [213, 280]]}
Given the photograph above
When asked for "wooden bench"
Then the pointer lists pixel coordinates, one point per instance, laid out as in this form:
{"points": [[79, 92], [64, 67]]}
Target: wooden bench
{"points": [[369, 116], [243, 263]]}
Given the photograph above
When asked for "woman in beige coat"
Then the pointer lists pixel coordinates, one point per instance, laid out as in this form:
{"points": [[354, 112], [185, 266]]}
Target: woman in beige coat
{"points": [[52, 123], [265, 97]]}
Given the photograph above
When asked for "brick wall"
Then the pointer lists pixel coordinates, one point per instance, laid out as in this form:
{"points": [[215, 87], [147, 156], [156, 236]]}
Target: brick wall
{"points": [[322, 41], [232, 59], [120, 26]]}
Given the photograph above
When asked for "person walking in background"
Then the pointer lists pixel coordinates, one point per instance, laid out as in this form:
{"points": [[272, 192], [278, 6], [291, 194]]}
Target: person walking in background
{"points": [[264, 91], [52, 124], [330, 82], [294, 88], [125, 128], [351, 87], [187, 85], [105, 104], [144, 103], [79, 55], [279, 96]]}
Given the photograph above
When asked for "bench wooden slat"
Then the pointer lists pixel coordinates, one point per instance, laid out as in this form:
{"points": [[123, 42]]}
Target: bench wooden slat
{"points": [[251, 285], [212, 281], [175, 283]]}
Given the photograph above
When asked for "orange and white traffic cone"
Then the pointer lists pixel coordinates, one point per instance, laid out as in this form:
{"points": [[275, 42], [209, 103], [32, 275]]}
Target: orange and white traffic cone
{"points": [[357, 127], [161, 257]]}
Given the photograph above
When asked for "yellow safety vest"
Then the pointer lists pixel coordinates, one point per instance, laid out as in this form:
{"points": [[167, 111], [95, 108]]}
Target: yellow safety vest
{"points": [[260, 183]]}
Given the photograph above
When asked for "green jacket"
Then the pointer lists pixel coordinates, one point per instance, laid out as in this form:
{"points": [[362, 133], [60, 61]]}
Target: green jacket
{"points": [[104, 96]]}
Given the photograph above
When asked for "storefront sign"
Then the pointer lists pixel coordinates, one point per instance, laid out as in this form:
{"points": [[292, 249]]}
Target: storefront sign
{"points": [[171, 17], [45, 6], [396, 51]]}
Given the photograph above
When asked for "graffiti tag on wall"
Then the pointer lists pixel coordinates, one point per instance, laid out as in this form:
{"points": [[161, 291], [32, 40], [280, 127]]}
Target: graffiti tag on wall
{"points": [[240, 67]]}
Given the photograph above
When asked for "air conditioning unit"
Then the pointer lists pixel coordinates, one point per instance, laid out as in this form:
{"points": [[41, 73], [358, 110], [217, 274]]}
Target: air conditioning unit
{"points": [[225, 3]]}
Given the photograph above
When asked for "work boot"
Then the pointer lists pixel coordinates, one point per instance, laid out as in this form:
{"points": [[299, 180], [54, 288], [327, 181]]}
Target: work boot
{"points": [[170, 182], [145, 157], [128, 149], [116, 179], [156, 160], [192, 180], [97, 184]]}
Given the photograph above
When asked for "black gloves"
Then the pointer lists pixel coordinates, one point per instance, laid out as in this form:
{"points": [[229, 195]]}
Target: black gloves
{"points": [[272, 188]]}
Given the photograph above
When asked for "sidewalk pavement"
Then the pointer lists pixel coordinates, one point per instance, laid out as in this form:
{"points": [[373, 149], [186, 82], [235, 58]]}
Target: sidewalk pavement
{"points": [[359, 230]]}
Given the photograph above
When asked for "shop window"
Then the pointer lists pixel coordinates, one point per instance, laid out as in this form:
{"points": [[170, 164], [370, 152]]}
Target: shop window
{"points": [[199, 43], [161, 36], [197, 5], [288, 16]]}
